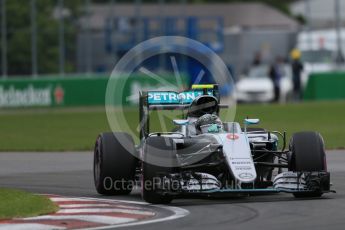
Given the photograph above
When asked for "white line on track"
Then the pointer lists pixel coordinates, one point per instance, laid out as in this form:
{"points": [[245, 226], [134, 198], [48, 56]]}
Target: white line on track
{"points": [[100, 210], [65, 199], [177, 213], [94, 218], [29, 227], [84, 205]]}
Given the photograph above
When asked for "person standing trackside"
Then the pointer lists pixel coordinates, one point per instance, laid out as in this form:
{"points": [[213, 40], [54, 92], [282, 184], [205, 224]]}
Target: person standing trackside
{"points": [[257, 59], [275, 75], [297, 68]]}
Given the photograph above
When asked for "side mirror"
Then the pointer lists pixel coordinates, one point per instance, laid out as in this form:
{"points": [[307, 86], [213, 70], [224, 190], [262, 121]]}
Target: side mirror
{"points": [[181, 122], [251, 121]]}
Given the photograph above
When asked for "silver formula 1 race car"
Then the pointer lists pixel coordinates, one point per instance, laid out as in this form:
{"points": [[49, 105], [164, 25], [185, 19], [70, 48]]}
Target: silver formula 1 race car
{"points": [[204, 156]]}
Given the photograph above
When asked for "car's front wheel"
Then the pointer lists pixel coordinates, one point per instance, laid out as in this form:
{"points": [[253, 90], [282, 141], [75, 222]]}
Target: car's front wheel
{"points": [[307, 155], [114, 164]]}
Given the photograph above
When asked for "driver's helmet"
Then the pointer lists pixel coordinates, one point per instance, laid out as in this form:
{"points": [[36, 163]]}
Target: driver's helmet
{"points": [[209, 123]]}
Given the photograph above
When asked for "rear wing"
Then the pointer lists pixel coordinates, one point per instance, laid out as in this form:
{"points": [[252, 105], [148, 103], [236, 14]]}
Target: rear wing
{"points": [[170, 100]]}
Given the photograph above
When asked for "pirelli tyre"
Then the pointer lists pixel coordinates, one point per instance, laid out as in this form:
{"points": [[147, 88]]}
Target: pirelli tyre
{"points": [[307, 155], [156, 146], [114, 163]]}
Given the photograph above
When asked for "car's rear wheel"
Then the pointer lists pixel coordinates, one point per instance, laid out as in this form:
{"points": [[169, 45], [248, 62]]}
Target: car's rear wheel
{"points": [[156, 147], [114, 164], [307, 155]]}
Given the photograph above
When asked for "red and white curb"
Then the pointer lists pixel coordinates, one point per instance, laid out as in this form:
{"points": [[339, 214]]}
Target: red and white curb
{"points": [[93, 213]]}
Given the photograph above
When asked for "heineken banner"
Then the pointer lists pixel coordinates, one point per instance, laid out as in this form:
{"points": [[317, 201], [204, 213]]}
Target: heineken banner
{"points": [[68, 91]]}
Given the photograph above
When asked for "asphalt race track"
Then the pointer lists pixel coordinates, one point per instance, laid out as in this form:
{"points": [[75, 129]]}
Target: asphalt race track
{"points": [[70, 174]]}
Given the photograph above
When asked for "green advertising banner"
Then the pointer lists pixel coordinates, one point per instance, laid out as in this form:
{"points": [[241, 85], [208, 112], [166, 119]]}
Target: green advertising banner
{"points": [[69, 91], [325, 86]]}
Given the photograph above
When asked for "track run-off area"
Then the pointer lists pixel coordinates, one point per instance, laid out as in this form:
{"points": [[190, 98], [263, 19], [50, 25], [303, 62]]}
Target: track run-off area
{"points": [[67, 178]]}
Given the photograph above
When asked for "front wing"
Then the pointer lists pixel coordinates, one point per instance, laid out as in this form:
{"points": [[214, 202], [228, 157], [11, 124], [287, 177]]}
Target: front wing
{"points": [[206, 185]]}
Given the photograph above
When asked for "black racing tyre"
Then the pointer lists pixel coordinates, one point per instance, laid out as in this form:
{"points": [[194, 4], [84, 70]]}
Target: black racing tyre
{"points": [[114, 164], [307, 155], [307, 152], [156, 146]]}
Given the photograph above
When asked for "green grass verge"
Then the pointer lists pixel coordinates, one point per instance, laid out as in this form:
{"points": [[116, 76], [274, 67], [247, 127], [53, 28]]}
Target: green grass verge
{"points": [[51, 129], [324, 117], [17, 203], [76, 129]]}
